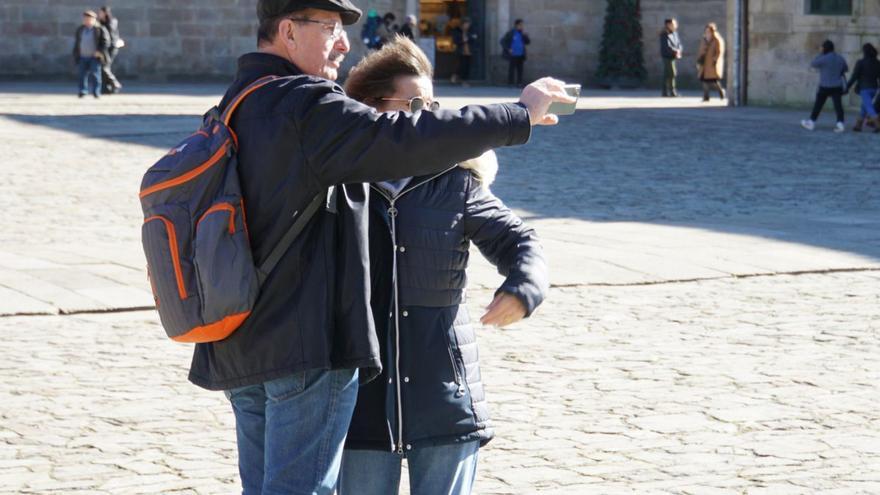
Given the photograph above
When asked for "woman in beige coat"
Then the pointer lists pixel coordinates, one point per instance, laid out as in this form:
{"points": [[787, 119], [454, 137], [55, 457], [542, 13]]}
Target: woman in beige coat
{"points": [[710, 61]]}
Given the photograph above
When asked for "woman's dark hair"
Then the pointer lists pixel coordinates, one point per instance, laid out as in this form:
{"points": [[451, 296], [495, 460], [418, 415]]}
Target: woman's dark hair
{"points": [[827, 46], [390, 17], [869, 51], [517, 22], [106, 10], [373, 77]]}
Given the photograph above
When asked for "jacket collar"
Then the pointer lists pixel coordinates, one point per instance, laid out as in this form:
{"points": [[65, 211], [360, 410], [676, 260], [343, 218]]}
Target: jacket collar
{"points": [[254, 65]]}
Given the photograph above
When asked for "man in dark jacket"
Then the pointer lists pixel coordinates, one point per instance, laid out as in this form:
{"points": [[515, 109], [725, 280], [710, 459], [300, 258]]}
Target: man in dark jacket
{"points": [[866, 79], [291, 369], [513, 45], [670, 51], [109, 83], [90, 46]]}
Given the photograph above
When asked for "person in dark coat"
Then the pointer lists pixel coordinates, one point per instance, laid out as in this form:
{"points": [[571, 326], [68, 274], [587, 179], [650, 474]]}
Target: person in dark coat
{"points": [[410, 27], [109, 83], [291, 369], [670, 51], [90, 50], [832, 82], [465, 39], [428, 405], [513, 46], [866, 79]]}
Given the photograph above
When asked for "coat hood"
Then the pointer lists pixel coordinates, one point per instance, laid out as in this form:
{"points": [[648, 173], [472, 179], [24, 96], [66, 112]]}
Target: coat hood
{"points": [[485, 167]]}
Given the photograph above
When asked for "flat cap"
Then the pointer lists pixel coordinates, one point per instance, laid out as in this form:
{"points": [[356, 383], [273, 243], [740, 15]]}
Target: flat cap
{"points": [[266, 9]]}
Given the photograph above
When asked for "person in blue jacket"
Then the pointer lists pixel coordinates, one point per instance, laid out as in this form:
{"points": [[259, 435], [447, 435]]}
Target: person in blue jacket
{"points": [[428, 405]]}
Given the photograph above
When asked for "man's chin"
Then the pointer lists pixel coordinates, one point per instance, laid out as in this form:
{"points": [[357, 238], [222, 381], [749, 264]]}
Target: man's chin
{"points": [[330, 73]]}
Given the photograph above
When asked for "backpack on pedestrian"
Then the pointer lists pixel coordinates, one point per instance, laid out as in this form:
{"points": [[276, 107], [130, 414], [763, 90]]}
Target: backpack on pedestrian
{"points": [[195, 235]]}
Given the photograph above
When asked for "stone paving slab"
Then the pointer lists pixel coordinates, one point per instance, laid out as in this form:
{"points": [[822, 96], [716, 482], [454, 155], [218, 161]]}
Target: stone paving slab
{"points": [[762, 385]]}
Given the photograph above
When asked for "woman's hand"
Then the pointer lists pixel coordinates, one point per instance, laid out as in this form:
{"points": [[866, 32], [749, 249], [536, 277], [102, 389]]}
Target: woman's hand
{"points": [[504, 310]]}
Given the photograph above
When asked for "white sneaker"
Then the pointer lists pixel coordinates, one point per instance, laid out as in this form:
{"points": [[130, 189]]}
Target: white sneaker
{"points": [[808, 125], [839, 127]]}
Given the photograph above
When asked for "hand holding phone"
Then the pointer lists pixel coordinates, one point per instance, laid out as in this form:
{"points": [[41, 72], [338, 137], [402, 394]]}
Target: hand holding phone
{"points": [[558, 108]]}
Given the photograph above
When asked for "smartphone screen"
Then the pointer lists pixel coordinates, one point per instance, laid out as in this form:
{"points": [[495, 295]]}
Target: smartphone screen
{"points": [[566, 108]]}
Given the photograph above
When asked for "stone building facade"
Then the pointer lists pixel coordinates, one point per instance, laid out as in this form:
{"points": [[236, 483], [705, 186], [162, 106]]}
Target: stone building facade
{"points": [[784, 35], [201, 39]]}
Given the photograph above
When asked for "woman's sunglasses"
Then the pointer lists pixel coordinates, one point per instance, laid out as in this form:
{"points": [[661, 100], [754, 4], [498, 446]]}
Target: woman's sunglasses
{"points": [[418, 103]]}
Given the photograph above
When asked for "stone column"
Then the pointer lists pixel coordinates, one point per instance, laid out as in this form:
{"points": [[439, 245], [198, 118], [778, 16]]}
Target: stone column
{"points": [[412, 7]]}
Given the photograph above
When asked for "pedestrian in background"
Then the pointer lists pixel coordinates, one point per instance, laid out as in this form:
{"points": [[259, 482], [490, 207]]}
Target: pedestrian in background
{"points": [[431, 370], [866, 79], [465, 40], [90, 46], [410, 27], [513, 45], [832, 82], [670, 51], [109, 83], [387, 29], [710, 61]]}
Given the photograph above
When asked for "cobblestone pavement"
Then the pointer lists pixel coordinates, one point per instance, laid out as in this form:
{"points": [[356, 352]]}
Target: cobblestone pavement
{"points": [[765, 385], [713, 326]]}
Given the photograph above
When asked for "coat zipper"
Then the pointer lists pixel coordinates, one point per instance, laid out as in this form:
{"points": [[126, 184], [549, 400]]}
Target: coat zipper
{"points": [[392, 214], [458, 381]]}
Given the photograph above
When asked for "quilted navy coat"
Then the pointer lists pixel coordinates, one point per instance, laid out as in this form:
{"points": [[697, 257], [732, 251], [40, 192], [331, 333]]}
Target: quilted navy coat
{"points": [[430, 391]]}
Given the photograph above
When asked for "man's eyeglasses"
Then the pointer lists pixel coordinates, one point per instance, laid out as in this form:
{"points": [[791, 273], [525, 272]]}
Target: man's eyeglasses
{"points": [[418, 103], [334, 28]]}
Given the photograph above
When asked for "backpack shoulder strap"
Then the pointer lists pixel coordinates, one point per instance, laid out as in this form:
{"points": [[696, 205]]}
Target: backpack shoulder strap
{"points": [[302, 219], [284, 244], [226, 116]]}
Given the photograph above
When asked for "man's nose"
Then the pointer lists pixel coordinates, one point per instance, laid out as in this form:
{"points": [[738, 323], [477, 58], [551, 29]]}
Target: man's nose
{"points": [[342, 45]]}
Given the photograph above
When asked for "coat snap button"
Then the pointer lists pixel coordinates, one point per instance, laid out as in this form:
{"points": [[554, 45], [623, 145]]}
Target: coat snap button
{"points": [[408, 447], [406, 379], [402, 249], [405, 313], [390, 380]]}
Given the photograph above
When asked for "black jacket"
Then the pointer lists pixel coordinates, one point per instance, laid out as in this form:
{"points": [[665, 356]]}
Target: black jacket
{"points": [[429, 345], [670, 43], [866, 75], [458, 38], [296, 138], [102, 42]]}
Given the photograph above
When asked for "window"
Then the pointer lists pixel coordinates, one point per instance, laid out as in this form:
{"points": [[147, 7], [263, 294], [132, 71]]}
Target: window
{"points": [[829, 7]]}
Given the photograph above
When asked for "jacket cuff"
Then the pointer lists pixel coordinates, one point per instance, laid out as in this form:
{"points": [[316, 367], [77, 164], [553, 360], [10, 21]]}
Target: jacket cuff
{"points": [[520, 124], [528, 293]]}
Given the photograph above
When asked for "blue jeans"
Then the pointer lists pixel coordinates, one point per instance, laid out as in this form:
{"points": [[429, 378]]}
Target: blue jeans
{"points": [[89, 73], [440, 470], [868, 103], [291, 431]]}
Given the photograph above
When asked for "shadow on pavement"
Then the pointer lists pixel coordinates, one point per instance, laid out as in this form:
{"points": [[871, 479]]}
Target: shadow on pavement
{"points": [[748, 171]]}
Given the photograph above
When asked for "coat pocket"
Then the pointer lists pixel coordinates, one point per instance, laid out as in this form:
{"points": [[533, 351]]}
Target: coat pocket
{"points": [[227, 277]]}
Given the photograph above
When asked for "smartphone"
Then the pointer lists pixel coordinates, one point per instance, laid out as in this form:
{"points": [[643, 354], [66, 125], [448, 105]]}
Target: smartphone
{"points": [[566, 108]]}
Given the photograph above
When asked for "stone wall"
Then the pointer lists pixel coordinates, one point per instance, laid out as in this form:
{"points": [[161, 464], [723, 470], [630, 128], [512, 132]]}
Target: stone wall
{"points": [[200, 39], [783, 40], [165, 39]]}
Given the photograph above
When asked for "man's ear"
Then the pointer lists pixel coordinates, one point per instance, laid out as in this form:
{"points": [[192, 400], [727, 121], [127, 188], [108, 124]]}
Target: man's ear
{"points": [[285, 30]]}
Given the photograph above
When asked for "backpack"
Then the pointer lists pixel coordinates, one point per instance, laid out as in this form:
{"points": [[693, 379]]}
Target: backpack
{"points": [[199, 260]]}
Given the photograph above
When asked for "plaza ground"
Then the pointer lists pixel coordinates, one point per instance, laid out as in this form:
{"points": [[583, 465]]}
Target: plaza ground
{"points": [[712, 327]]}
